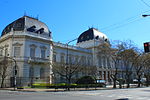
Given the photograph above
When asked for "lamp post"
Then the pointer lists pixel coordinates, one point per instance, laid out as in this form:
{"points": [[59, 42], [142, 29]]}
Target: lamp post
{"points": [[67, 62], [68, 48], [15, 72]]}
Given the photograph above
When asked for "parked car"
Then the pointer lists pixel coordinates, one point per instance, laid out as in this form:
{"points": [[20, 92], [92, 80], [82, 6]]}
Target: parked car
{"points": [[101, 82]]}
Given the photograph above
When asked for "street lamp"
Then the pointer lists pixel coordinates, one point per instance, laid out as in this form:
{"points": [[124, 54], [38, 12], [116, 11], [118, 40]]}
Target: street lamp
{"points": [[145, 15], [15, 72], [68, 48], [66, 67]]}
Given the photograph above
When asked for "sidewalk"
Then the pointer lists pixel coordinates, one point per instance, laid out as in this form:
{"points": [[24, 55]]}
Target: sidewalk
{"points": [[53, 89], [33, 89], [108, 87]]}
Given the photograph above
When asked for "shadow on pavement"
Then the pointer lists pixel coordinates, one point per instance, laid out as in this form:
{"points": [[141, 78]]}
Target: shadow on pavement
{"points": [[123, 99]]}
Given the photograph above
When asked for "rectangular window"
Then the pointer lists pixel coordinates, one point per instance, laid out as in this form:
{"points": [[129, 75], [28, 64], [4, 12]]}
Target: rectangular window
{"points": [[16, 51], [62, 59], [70, 59], [32, 52], [43, 53], [54, 57], [104, 62], [100, 62], [108, 63], [6, 52], [83, 59], [1, 52], [76, 60], [89, 61]]}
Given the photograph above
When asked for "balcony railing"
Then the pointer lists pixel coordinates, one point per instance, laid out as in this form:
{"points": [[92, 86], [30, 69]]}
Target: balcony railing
{"points": [[38, 60]]}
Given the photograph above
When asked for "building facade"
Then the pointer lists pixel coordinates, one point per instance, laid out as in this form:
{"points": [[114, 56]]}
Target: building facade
{"points": [[29, 42]]}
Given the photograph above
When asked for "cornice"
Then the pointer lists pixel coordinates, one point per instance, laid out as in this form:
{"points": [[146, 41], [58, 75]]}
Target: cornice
{"points": [[26, 37], [69, 49]]}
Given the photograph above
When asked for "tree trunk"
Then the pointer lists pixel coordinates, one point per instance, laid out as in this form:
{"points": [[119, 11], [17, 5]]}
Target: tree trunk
{"points": [[68, 86], [114, 81], [2, 83], [139, 81], [128, 85], [147, 81], [128, 82]]}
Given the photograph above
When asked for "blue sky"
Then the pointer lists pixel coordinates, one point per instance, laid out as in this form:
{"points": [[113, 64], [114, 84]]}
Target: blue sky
{"points": [[67, 19]]}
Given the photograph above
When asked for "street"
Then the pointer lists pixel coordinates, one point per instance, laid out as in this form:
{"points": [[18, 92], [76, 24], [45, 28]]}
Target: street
{"points": [[113, 94]]}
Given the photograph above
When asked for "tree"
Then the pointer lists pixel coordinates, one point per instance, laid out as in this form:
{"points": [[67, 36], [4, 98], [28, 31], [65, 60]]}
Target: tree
{"points": [[146, 69], [67, 70], [128, 56], [112, 54], [139, 67], [89, 70], [6, 69]]}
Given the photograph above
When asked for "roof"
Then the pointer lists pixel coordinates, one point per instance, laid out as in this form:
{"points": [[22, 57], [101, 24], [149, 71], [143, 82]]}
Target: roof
{"points": [[91, 34], [27, 23]]}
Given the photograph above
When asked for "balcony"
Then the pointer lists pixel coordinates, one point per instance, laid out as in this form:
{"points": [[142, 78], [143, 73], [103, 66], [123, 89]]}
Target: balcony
{"points": [[37, 60]]}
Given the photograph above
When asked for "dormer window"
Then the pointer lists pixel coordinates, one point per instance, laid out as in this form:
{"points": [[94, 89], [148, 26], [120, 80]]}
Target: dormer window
{"points": [[40, 31], [87, 37], [97, 37], [31, 29]]}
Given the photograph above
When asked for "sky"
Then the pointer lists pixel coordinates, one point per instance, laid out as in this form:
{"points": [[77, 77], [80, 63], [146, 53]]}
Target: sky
{"points": [[67, 19]]}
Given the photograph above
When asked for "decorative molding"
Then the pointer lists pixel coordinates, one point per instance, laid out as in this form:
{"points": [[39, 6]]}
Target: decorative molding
{"points": [[2, 47], [43, 47], [33, 45], [17, 44], [6, 45]]}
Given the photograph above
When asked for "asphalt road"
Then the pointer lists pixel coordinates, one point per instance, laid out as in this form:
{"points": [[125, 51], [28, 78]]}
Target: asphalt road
{"points": [[114, 94]]}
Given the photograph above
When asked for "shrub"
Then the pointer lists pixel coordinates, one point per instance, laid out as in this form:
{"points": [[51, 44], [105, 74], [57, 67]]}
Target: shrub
{"points": [[86, 80]]}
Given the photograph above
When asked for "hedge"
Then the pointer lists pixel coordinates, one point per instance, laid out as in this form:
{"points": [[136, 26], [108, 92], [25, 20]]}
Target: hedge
{"points": [[64, 85]]}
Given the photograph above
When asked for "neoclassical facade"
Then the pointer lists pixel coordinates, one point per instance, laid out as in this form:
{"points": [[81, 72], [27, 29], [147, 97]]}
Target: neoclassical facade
{"points": [[29, 42]]}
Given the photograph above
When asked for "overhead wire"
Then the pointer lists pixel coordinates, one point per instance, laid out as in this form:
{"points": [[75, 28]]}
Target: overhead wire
{"points": [[124, 22], [145, 3]]}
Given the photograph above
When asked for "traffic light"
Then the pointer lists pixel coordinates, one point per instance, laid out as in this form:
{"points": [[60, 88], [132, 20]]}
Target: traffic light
{"points": [[147, 47]]}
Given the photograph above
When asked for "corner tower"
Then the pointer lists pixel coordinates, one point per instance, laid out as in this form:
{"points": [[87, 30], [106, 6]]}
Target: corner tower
{"points": [[91, 38], [29, 42]]}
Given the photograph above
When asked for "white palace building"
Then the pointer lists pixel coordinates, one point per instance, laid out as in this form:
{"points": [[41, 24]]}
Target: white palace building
{"points": [[29, 42]]}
